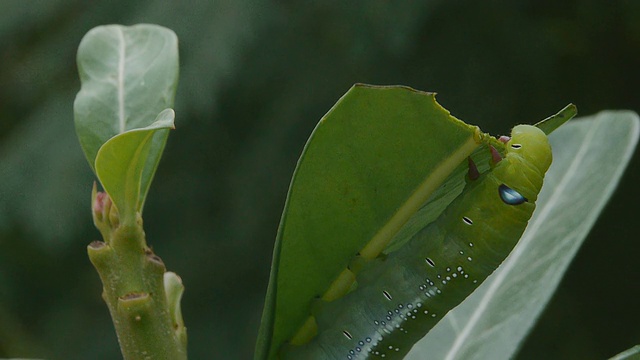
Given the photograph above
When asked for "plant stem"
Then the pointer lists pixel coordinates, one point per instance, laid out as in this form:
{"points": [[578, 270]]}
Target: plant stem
{"points": [[133, 288]]}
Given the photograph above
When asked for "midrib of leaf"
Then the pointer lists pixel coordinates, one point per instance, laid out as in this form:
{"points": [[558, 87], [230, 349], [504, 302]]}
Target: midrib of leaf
{"points": [[382, 238], [123, 49], [413, 203], [525, 242]]}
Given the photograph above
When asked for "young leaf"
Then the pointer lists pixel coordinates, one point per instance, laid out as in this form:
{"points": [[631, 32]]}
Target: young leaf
{"points": [[125, 164], [129, 77]]}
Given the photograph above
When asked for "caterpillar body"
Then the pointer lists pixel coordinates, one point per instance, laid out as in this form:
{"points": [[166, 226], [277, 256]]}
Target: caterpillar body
{"points": [[399, 298]]}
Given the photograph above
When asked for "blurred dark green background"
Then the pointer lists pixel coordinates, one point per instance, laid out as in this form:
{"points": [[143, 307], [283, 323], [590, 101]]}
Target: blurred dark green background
{"points": [[256, 76]]}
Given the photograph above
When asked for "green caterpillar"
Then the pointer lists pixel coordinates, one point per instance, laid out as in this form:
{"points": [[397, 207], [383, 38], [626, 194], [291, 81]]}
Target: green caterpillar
{"points": [[399, 298]]}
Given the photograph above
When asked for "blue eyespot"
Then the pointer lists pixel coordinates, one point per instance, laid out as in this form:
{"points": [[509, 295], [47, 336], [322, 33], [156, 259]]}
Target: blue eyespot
{"points": [[510, 196]]}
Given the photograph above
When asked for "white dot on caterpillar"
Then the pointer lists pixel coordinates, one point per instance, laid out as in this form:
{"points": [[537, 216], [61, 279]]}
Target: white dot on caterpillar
{"points": [[469, 258], [475, 281], [361, 343], [470, 244], [448, 269], [433, 315], [444, 282], [460, 268], [466, 276], [448, 278], [430, 262], [461, 252], [419, 304], [454, 275]]}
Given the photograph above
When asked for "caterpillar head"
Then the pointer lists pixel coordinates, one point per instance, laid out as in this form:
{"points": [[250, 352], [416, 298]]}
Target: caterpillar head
{"points": [[528, 157], [532, 145]]}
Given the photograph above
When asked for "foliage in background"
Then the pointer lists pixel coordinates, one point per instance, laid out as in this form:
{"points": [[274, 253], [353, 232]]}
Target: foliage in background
{"points": [[255, 79]]}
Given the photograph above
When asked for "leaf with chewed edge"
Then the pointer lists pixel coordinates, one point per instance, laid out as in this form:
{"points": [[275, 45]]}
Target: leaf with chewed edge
{"points": [[369, 166]]}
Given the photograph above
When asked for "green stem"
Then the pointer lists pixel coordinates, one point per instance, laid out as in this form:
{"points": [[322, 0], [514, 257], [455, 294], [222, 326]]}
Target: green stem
{"points": [[143, 313]]}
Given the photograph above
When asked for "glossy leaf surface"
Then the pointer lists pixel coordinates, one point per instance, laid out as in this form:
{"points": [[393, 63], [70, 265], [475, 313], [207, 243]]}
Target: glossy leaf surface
{"points": [[367, 169]]}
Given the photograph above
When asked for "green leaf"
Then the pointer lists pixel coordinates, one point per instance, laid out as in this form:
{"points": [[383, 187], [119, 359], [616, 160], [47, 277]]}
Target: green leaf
{"points": [[630, 354], [369, 166], [129, 77], [126, 163], [590, 156]]}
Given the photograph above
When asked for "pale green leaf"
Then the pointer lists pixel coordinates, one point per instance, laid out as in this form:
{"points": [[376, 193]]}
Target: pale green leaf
{"points": [[126, 163], [129, 75], [630, 354], [590, 156]]}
